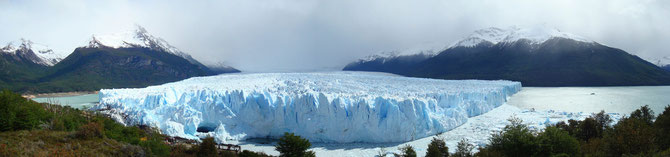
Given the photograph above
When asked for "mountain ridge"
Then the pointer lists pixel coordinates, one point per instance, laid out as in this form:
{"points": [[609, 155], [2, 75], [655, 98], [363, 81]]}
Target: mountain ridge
{"points": [[138, 61], [556, 61]]}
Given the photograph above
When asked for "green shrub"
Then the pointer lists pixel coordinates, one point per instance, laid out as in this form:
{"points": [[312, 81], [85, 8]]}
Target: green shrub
{"points": [[488, 152], [604, 120], [644, 114], [553, 141], [593, 147], [407, 151], [181, 150], [246, 153], [662, 126], [588, 129], [207, 148], [514, 140], [630, 136], [18, 113], [437, 148], [90, 131], [464, 149], [291, 145]]}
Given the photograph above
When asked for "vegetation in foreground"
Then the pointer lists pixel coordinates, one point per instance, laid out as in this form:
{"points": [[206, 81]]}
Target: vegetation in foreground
{"points": [[641, 134], [28, 128]]}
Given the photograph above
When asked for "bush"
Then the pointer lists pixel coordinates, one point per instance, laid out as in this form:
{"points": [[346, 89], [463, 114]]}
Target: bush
{"points": [[464, 149], [247, 153], [18, 113], [181, 151], [631, 136], [207, 148], [554, 141], [488, 152], [90, 131], [604, 120], [662, 125], [588, 129], [593, 147], [291, 145], [644, 114], [437, 148], [514, 140], [407, 151]]}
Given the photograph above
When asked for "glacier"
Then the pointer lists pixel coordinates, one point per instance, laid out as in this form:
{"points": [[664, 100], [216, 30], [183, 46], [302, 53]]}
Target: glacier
{"points": [[330, 107]]}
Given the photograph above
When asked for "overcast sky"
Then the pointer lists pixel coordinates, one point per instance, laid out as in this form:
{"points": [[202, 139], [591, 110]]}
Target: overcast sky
{"points": [[306, 35]]}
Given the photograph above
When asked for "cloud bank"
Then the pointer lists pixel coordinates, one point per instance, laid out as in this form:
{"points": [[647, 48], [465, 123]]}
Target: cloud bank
{"points": [[298, 35]]}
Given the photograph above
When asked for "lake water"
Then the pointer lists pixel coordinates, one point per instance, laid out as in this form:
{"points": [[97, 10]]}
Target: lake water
{"points": [[79, 101], [623, 100]]}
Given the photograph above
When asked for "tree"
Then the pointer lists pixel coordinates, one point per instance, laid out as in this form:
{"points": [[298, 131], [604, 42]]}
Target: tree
{"points": [[207, 148], [18, 113], [554, 141], [514, 140], [603, 119], [644, 114], [437, 148], [630, 136], [662, 126], [291, 145], [407, 151], [464, 149], [588, 129]]}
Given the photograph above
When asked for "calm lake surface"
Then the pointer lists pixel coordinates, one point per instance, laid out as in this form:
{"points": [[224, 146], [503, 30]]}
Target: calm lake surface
{"points": [[79, 101], [623, 100]]}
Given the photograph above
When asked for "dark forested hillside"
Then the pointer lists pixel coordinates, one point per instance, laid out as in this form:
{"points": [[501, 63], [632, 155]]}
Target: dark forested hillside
{"points": [[556, 62], [89, 69]]}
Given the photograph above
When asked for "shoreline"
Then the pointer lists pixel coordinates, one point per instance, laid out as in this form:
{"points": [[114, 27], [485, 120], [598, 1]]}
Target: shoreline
{"points": [[61, 94]]}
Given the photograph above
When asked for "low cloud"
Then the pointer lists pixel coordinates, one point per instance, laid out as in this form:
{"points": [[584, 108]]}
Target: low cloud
{"points": [[296, 35]]}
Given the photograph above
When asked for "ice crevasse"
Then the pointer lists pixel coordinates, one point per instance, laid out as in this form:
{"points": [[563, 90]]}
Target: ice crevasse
{"points": [[338, 107]]}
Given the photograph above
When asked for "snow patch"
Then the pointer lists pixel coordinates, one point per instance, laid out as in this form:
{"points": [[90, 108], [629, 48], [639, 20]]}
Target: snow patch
{"points": [[427, 49], [46, 55], [139, 37], [536, 35]]}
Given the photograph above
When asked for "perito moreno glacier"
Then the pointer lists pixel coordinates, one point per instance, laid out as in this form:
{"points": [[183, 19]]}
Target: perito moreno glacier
{"points": [[338, 107]]}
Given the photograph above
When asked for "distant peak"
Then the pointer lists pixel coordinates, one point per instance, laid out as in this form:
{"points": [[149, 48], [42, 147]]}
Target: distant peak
{"points": [[137, 37], [46, 55], [535, 34], [427, 49]]}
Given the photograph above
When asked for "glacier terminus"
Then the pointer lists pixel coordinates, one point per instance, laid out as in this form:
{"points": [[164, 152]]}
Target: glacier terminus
{"points": [[331, 107]]}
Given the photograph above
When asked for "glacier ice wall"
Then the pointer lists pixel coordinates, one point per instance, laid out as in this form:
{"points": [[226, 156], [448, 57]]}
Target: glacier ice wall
{"points": [[337, 107]]}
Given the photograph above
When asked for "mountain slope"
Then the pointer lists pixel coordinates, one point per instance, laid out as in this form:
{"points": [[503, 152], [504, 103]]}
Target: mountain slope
{"points": [[27, 50], [130, 59], [21, 63], [535, 57], [666, 67], [96, 68]]}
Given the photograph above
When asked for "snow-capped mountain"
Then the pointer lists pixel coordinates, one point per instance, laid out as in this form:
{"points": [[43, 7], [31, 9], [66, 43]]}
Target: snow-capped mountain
{"points": [[535, 56], [34, 52], [139, 37], [424, 49], [534, 35], [489, 36]]}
